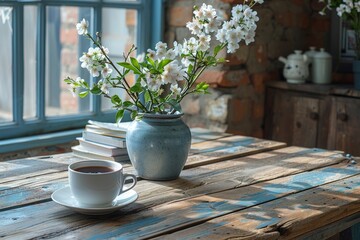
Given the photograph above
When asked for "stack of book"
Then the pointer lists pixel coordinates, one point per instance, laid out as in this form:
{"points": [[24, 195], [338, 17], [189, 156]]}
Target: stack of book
{"points": [[104, 141]]}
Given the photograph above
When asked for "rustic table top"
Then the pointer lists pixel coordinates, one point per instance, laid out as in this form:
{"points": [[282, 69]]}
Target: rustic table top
{"points": [[231, 187]]}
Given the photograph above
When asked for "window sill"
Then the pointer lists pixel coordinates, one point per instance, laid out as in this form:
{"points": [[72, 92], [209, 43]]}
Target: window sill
{"points": [[24, 143]]}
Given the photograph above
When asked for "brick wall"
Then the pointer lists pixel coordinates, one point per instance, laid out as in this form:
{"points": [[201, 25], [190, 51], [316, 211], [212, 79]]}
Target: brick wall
{"points": [[236, 104]]}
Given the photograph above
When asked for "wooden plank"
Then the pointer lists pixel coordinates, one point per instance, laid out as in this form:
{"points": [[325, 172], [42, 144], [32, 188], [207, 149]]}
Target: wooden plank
{"points": [[200, 180], [222, 148], [310, 214], [179, 215], [203, 134], [193, 182], [228, 147], [32, 167]]}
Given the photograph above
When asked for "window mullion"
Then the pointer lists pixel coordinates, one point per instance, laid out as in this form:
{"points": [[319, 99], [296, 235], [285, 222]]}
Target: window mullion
{"points": [[96, 100], [18, 64], [40, 67]]}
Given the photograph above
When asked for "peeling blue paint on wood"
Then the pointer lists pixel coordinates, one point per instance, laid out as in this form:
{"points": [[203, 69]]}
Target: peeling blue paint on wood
{"points": [[204, 210], [127, 230], [11, 197], [268, 222]]}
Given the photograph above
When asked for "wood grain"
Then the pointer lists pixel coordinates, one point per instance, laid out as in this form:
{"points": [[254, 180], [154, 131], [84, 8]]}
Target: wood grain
{"points": [[39, 220], [174, 216], [291, 217], [22, 189]]}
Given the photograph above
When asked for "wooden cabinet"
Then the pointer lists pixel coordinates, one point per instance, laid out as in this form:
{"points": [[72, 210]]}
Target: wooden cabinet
{"points": [[323, 116]]}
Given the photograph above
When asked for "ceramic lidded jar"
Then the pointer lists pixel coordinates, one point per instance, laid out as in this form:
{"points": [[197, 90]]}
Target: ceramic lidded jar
{"points": [[310, 54], [296, 68], [322, 67]]}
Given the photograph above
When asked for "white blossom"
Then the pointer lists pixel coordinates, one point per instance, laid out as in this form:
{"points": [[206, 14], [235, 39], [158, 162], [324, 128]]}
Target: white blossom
{"points": [[82, 27], [204, 42], [173, 73], [106, 71], [175, 89], [151, 53], [153, 82]]}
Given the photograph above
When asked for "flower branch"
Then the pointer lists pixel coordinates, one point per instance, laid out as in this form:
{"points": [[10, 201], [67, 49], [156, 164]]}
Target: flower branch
{"points": [[164, 76]]}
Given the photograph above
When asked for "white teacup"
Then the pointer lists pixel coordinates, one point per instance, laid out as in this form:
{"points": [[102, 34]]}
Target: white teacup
{"points": [[98, 182]]}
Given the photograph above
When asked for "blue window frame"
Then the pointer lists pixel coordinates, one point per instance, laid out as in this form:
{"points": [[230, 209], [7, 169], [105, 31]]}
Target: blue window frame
{"points": [[43, 41]]}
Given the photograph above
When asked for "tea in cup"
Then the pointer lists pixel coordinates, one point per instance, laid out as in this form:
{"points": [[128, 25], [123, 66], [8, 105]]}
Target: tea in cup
{"points": [[96, 183]]}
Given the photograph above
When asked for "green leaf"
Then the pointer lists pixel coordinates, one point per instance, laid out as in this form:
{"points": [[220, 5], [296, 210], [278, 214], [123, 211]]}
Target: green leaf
{"points": [[164, 62], [190, 68], [133, 115], [119, 115], [68, 80], [95, 90], [217, 49], [151, 61], [127, 104], [136, 88], [116, 100], [221, 60], [175, 104], [147, 96], [129, 66], [83, 94], [135, 63]]}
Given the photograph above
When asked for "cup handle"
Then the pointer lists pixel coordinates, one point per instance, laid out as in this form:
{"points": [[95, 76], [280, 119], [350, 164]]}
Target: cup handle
{"points": [[134, 181]]}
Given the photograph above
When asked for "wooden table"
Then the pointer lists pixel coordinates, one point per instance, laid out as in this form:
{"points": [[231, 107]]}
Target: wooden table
{"points": [[231, 187]]}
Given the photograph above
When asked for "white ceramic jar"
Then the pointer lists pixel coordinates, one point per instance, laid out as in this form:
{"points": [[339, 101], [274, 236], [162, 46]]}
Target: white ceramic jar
{"points": [[296, 67], [310, 54], [322, 67]]}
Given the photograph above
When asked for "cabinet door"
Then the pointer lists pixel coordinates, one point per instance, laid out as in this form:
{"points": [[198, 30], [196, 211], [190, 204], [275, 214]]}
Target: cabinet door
{"points": [[345, 132], [292, 117]]}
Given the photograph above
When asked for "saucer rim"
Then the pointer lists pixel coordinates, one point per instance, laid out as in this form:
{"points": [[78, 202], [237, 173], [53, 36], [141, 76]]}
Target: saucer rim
{"points": [[88, 210]]}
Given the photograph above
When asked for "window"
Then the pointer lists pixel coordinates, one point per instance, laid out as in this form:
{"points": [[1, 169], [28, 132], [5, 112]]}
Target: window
{"points": [[40, 47]]}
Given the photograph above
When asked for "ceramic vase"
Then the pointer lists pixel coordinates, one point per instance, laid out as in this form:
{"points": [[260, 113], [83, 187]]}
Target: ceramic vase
{"points": [[356, 71], [158, 146]]}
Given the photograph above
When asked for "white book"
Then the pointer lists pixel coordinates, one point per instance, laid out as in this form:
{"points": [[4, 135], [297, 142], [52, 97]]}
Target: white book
{"points": [[119, 127], [81, 152], [102, 139], [104, 131], [101, 149]]}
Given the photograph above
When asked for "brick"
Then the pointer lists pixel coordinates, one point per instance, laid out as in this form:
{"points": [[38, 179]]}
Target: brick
{"points": [[259, 79], [303, 20], [69, 57], [320, 24], [298, 2], [261, 53], [130, 17], [233, 1], [222, 78], [191, 105], [239, 110], [69, 36], [217, 109], [180, 15], [285, 19], [258, 110], [316, 5]]}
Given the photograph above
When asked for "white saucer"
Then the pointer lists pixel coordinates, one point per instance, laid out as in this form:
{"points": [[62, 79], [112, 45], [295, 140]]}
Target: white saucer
{"points": [[65, 198]]}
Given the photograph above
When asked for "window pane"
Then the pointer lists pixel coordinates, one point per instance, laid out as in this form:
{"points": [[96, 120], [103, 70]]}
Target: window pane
{"points": [[6, 79], [30, 31], [118, 34], [63, 49], [121, 1]]}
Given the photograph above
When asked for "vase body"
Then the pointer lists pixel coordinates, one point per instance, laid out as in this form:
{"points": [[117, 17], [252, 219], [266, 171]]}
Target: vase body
{"points": [[356, 71], [158, 146]]}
